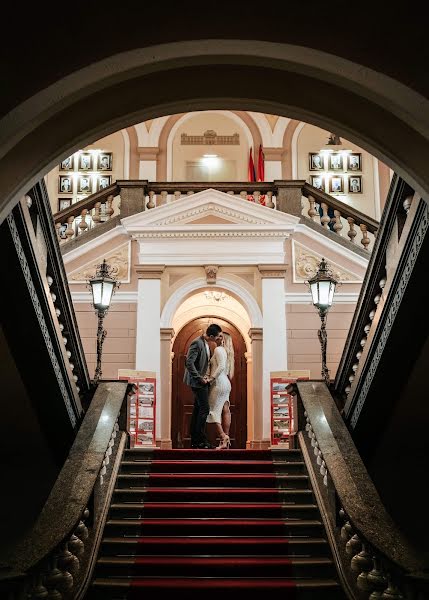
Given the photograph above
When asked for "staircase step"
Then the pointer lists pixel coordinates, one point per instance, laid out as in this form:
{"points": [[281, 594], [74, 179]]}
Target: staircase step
{"points": [[214, 466], [138, 510], [212, 480], [215, 566], [213, 526], [302, 589], [250, 546], [195, 454], [224, 494]]}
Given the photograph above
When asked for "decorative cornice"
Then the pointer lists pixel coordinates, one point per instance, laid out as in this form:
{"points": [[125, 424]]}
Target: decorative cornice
{"points": [[167, 333], [305, 265], [191, 233], [272, 271], [118, 259], [149, 271], [148, 153], [256, 334], [117, 298]]}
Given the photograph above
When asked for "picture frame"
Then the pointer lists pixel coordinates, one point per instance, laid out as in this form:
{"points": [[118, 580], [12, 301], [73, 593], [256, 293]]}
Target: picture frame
{"points": [[65, 184], [62, 231], [84, 185], [67, 164], [103, 181], [64, 203], [317, 161], [104, 161], [355, 184], [354, 161], [336, 161], [318, 182], [336, 184], [85, 161]]}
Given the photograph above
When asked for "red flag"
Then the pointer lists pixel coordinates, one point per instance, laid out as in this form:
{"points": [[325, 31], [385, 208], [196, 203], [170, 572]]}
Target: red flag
{"points": [[261, 166], [251, 169]]}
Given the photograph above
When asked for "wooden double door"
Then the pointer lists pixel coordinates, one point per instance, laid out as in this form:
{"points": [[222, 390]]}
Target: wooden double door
{"points": [[182, 397]]}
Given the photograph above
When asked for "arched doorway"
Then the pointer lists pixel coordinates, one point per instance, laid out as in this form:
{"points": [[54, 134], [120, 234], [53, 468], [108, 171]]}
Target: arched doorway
{"points": [[182, 398]]}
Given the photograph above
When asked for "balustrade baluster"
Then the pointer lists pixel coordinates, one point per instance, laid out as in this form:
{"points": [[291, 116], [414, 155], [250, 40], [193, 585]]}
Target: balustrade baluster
{"points": [[151, 202], [337, 225], [69, 231], [109, 208], [365, 241], [269, 203], [312, 212], [325, 220], [352, 233], [96, 217]]}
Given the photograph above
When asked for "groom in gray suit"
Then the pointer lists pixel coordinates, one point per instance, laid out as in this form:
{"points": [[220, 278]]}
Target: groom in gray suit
{"points": [[197, 362]]}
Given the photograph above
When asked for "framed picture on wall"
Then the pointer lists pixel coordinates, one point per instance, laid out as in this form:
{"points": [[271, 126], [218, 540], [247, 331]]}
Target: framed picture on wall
{"points": [[103, 181], [104, 161], [355, 184], [336, 184], [317, 161], [335, 161], [354, 162], [85, 161], [65, 184], [84, 185], [318, 181], [64, 203], [67, 164]]}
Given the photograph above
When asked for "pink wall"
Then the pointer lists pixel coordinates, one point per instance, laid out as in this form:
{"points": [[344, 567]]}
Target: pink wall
{"points": [[304, 351], [119, 347]]}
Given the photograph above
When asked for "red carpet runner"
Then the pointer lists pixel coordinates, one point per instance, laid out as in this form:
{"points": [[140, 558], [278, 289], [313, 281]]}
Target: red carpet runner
{"points": [[209, 523]]}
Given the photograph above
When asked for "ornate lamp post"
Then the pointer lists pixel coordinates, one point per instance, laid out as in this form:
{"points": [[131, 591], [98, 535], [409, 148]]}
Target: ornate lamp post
{"points": [[103, 285], [322, 287]]}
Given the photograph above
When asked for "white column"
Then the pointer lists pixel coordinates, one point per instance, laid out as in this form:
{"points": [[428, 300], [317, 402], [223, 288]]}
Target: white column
{"points": [[147, 162], [167, 334], [256, 433], [274, 333], [148, 346]]}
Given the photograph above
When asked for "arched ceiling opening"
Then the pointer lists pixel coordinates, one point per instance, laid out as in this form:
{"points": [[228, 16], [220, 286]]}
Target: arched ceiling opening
{"points": [[378, 113]]}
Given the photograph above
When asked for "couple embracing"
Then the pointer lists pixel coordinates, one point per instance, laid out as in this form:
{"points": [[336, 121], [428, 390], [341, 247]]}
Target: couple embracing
{"points": [[209, 379]]}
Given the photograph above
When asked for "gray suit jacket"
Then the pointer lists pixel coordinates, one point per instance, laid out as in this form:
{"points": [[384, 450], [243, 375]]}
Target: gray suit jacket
{"points": [[196, 363]]}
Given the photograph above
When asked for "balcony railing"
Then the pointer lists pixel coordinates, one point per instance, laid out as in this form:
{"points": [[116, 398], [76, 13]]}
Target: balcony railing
{"points": [[103, 209]]}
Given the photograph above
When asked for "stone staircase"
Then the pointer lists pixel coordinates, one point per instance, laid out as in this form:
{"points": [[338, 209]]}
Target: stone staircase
{"points": [[201, 523]]}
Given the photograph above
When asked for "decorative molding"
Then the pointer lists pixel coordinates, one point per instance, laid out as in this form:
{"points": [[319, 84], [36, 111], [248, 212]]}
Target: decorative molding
{"points": [[118, 259], [214, 233], [146, 153], [167, 334], [333, 246], [210, 138], [149, 271], [407, 271], [256, 334], [199, 284], [39, 313], [306, 262], [103, 238], [272, 271], [211, 271]]}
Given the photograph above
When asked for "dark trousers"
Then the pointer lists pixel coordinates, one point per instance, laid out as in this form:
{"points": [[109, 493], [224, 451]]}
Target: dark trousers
{"points": [[199, 414]]}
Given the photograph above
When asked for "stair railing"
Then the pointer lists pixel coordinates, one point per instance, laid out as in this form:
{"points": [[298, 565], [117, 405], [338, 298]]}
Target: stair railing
{"points": [[373, 557], [103, 209], [401, 205], [55, 558]]}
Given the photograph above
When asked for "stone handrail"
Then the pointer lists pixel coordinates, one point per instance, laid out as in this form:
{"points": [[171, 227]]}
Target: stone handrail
{"points": [[379, 555], [284, 195], [48, 559]]}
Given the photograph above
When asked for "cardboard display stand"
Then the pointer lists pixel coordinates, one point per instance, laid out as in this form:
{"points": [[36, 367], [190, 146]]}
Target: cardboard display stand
{"points": [[283, 407], [141, 423]]}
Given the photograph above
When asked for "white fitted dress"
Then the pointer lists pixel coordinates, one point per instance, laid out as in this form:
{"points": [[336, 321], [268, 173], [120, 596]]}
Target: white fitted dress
{"points": [[221, 386]]}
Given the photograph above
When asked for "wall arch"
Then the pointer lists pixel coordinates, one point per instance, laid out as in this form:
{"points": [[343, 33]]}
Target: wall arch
{"points": [[200, 283], [376, 112]]}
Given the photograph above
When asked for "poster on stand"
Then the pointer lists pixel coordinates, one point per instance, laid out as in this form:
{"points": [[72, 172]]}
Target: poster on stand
{"points": [[142, 408], [283, 407]]}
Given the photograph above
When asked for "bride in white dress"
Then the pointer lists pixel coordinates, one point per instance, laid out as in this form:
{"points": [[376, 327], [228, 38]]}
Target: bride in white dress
{"points": [[220, 374]]}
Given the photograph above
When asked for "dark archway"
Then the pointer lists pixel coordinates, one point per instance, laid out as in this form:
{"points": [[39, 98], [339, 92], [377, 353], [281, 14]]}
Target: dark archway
{"points": [[380, 114], [182, 399]]}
